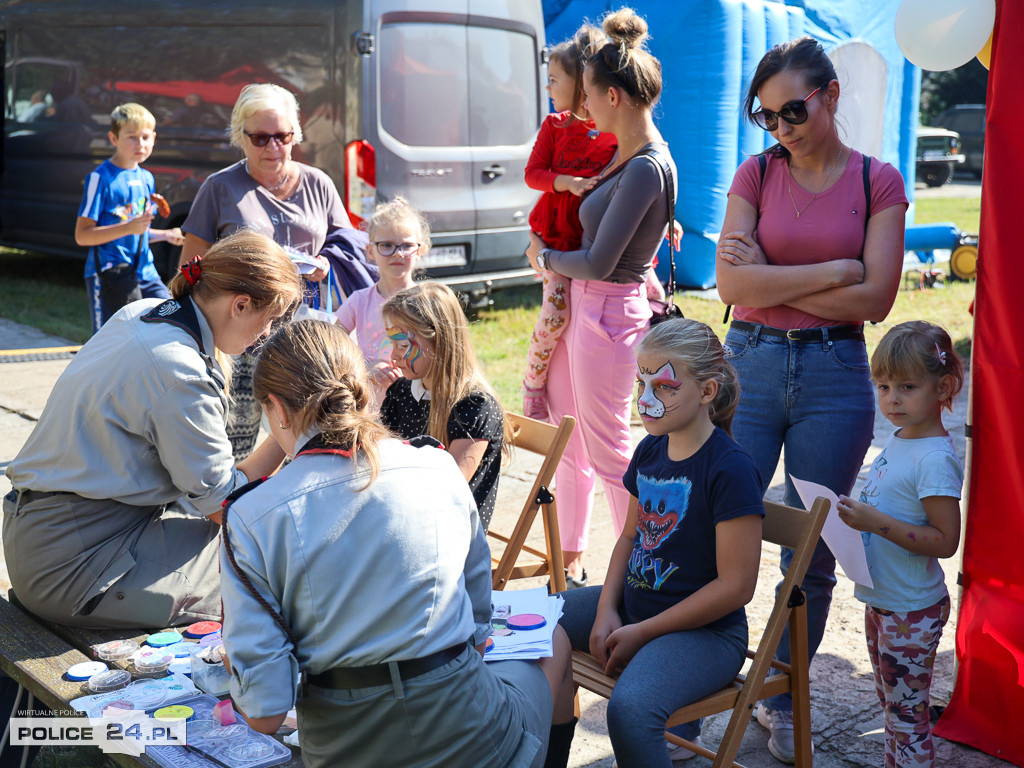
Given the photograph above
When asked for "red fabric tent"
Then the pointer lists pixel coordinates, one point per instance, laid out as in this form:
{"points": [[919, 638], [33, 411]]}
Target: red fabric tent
{"points": [[987, 707]]}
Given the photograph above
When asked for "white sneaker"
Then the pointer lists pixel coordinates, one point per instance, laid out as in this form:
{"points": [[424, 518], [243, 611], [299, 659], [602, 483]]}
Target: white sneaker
{"points": [[780, 724], [678, 753]]}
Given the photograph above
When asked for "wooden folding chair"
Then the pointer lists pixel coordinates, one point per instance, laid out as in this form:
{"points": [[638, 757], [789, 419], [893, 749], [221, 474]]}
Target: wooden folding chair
{"points": [[788, 527], [548, 441]]}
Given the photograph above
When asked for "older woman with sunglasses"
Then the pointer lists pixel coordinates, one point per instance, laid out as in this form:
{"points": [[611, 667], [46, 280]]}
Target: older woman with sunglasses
{"points": [[267, 191], [813, 248]]}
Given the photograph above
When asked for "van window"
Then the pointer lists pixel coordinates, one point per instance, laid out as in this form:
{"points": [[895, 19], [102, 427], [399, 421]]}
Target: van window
{"points": [[444, 85]]}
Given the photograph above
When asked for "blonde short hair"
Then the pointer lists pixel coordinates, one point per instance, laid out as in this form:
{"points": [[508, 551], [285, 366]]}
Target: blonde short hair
{"points": [[130, 114], [263, 97]]}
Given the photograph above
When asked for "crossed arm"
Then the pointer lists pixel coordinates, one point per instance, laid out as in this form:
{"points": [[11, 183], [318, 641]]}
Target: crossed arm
{"points": [[842, 289]]}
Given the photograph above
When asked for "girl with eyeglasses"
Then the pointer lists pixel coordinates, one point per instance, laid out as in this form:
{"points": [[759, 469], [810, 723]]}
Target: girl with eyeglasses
{"points": [[399, 237], [269, 192], [812, 249], [443, 392]]}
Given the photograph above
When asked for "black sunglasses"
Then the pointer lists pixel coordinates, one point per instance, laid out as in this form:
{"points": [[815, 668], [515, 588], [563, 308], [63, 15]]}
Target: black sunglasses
{"points": [[793, 112], [262, 139]]}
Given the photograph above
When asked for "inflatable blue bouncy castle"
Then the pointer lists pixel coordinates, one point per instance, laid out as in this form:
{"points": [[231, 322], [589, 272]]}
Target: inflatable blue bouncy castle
{"points": [[708, 51]]}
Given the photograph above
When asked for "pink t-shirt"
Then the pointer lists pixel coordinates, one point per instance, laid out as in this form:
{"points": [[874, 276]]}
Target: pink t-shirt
{"points": [[829, 228], [360, 314]]}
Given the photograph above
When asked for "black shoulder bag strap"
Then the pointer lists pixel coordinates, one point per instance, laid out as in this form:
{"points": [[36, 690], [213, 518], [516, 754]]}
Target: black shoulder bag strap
{"points": [[670, 194], [762, 166]]}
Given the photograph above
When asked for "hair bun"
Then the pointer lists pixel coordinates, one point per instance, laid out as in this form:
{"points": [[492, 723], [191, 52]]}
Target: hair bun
{"points": [[625, 27]]}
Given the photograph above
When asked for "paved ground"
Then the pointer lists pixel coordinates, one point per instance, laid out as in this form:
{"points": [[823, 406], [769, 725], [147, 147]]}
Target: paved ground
{"points": [[846, 715]]}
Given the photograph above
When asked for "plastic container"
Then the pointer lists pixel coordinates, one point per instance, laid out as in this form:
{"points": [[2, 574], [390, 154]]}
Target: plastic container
{"points": [[116, 650], [202, 628], [174, 713], [152, 663], [85, 670], [208, 672], [109, 680], [162, 639]]}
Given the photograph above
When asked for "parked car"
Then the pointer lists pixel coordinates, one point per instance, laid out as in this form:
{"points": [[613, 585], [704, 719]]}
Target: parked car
{"points": [[396, 97], [969, 121], [938, 153]]}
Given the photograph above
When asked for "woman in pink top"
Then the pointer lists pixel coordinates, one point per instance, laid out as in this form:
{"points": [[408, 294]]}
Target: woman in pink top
{"points": [[813, 248]]}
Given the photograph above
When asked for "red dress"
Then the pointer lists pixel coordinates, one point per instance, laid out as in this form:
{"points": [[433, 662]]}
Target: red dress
{"points": [[564, 146]]}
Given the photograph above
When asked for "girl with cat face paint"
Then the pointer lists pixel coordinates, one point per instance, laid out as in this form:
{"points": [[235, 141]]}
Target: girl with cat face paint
{"points": [[670, 616]]}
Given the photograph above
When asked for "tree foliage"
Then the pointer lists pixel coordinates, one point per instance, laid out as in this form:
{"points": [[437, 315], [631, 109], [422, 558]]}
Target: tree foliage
{"points": [[963, 85]]}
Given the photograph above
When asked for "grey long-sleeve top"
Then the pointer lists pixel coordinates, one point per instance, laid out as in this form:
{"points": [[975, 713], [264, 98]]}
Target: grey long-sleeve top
{"points": [[624, 221], [395, 571], [138, 416]]}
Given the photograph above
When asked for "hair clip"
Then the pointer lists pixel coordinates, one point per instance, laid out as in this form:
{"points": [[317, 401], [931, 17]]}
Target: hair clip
{"points": [[193, 270], [940, 353]]}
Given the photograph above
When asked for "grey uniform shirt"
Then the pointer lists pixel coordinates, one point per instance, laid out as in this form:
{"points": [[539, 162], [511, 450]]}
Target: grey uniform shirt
{"points": [[138, 417], [624, 221], [395, 571], [230, 200]]}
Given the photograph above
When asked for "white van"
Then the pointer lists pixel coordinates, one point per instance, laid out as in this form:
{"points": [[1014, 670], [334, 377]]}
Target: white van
{"points": [[436, 101]]}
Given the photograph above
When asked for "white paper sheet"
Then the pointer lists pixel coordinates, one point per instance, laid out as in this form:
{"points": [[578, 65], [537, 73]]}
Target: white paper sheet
{"points": [[846, 543]]}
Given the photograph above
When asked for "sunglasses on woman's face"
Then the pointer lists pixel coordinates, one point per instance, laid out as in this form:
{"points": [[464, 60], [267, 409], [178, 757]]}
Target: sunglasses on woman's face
{"points": [[262, 139], [793, 112]]}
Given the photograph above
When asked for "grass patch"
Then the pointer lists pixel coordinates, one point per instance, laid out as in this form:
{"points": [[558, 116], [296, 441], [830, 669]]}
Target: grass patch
{"points": [[46, 292], [965, 212]]}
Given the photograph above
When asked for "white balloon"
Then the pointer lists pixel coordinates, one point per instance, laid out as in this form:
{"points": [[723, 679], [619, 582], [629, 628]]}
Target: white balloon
{"points": [[943, 34]]}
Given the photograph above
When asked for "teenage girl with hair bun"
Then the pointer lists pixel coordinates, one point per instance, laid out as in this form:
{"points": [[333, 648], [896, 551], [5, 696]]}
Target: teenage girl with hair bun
{"points": [[670, 616], [624, 218], [362, 565], [111, 522], [443, 392]]}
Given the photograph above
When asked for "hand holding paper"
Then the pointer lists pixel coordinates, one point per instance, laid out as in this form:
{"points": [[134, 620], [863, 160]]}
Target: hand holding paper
{"points": [[846, 544]]}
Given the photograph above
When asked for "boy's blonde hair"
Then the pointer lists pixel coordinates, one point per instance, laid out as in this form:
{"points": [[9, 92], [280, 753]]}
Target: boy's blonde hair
{"points": [[263, 97], [432, 311], [131, 114], [697, 349], [390, 213], [917, 349]]}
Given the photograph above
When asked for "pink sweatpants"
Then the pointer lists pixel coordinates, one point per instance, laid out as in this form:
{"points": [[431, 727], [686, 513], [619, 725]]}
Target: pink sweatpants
{"points": [[591, 378]]}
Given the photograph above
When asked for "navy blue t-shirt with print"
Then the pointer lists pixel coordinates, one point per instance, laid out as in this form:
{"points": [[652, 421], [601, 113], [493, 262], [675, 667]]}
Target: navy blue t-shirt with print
{"points": [[680, 502]]}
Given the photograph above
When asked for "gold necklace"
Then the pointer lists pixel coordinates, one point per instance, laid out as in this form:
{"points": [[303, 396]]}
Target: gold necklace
{"points": [[828, 176]]}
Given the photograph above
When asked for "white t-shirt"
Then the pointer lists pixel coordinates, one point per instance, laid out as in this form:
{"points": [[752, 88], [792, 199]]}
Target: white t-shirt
{"points": [[905, 472]]}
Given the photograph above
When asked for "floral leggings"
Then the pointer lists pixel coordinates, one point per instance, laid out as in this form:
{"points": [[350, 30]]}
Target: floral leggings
{"points": [[902, 650], [554, 314]]}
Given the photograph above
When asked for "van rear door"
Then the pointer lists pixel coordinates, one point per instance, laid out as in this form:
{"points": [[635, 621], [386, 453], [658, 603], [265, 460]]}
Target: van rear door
{"points": [[455, 107]]}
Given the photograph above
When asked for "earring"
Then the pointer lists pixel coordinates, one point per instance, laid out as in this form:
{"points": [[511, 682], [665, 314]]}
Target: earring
{"points": [[281, 425]]}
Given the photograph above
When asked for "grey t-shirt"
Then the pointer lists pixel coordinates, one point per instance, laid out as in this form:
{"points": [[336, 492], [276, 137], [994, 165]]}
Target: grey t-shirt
{"points": [[624, 221], [231, 199]]}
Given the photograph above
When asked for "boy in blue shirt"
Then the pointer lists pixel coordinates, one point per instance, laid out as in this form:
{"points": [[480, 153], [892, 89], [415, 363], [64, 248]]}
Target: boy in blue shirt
{"points": [[116, 212]]}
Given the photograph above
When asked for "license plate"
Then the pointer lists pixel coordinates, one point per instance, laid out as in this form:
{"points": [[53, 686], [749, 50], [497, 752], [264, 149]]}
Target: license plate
{"points": [[445, 256], [933, 154]]}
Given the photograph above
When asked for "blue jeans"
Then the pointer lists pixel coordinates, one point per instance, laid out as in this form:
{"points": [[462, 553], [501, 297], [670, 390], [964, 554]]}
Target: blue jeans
{"points": [[816, 400], [667, 673]]}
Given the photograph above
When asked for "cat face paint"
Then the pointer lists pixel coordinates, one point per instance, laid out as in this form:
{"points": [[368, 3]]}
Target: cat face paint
{"points": [[654, 389]]}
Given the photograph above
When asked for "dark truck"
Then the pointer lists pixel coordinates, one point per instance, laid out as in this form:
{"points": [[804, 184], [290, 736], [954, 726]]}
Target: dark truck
{"points": [[938, 153], [438, 101]]}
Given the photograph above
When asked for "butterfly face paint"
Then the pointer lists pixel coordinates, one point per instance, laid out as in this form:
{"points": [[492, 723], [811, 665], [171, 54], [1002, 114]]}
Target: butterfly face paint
{"points": [[405, 344], [653, 387]]}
